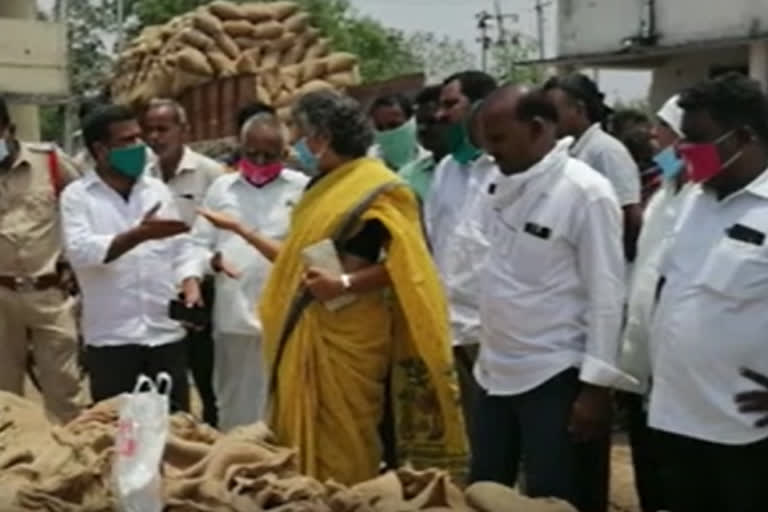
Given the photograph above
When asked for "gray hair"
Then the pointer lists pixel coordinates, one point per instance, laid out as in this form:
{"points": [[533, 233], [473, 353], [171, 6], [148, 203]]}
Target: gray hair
{"points": [[175, 106], [260, 119], [337, 117]]}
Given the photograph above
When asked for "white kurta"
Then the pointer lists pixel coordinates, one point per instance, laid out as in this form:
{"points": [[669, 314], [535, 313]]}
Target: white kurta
{"points": [[239, 373]]}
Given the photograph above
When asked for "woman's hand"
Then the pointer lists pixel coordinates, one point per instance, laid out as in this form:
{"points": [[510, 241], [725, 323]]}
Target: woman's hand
{"points": [[220, 220], [323, 285]]}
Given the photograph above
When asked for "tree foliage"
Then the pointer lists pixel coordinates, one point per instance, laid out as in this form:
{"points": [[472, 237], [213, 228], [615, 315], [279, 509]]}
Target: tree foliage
{"points": [[440, 57], [90, 56], [506, 59]]}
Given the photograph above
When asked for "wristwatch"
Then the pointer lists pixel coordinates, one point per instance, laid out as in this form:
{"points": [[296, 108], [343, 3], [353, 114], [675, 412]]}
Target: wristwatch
{"points": [[346, 281]]}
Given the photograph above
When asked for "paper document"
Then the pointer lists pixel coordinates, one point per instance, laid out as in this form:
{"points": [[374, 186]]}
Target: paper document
{"points": [[323, 255]]}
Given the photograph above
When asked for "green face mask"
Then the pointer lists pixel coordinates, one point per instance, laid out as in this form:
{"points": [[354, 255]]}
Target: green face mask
{"points": [[129, 161], [398, 146], [461, 148]]}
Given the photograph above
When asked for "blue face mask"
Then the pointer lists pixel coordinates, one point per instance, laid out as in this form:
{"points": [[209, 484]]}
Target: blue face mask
{"points": [[306, 157], [669, 163]]}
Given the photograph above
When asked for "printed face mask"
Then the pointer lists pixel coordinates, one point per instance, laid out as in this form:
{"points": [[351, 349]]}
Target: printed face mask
{"points": [[129, 161], [703, 160], [669, 163], [259, 174], [398, 146]]}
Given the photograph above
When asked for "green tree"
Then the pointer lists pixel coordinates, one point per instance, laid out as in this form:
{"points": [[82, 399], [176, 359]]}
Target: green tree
{"points": [[156, 12], [440, 57], [506, 59], [90, 52], [90, 55]]}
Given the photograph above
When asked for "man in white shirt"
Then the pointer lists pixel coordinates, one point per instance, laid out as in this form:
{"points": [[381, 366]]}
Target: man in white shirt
{"points": [[581, 111], [396, 138], [261, 195], [709, 320], [120, 229], [550, 307], [189, 175], [461, 180], [658, 223]]}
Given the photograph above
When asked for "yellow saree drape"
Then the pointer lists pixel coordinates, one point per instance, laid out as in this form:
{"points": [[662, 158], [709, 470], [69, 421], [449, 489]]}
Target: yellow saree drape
{"points": [[329, 390]]}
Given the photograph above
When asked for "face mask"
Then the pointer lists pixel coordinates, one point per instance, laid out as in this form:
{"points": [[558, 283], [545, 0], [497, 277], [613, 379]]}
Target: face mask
{"points": [[259, 175], [398, 146], [4, 150], [703, 160], [306, 157], [669, 163], [458, 141], [129, 161]]}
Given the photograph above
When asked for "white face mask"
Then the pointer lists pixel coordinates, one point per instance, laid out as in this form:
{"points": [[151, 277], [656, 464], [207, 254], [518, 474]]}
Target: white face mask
{"points": [[4, 150]]}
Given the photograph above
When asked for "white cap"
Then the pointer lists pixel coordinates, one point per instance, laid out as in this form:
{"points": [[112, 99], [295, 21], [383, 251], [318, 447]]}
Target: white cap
{"points": [[672, 114]]}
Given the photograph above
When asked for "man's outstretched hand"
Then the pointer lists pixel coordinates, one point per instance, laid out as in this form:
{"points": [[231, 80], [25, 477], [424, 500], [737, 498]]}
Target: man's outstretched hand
{"points": [[154, 228]]}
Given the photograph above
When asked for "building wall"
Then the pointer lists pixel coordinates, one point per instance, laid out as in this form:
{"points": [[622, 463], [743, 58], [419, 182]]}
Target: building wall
{"points": [[682, 71], [591, 26], [25, 117]]}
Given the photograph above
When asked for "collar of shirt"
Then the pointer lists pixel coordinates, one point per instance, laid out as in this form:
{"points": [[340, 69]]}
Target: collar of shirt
{"points": [[22, 158], [510, 188], [758, 186], [426, 163], [91, 178], [188, 163], [582, 142]]}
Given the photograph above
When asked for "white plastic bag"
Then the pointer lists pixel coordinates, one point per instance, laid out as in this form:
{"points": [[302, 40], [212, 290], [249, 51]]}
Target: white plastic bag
{"points": [[140, 442]]}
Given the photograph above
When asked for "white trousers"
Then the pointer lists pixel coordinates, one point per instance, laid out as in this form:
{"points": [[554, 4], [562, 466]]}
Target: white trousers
{"points": [[239, 380]]}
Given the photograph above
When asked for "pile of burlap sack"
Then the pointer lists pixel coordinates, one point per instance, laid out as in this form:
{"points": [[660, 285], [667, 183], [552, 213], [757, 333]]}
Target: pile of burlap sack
{"points": [[272, 40], [69, 469]]}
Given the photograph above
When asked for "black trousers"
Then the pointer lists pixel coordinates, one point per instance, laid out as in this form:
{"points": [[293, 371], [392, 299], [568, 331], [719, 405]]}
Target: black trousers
{"points": [[699, 476], [531, 429], [645, 459], [114, 370], [200, 356], [464, 357]]}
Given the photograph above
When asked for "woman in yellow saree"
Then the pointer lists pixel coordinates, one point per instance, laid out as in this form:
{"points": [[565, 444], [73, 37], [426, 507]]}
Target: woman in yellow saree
{"points": [[330, 368]]}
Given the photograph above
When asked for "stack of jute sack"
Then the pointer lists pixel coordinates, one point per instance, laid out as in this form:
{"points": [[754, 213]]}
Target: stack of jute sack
{"points": [[69, 469], [272, 40]]}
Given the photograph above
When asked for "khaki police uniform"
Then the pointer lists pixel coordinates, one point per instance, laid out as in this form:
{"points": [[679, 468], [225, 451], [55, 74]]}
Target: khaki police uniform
{"points": [[35, 312]]}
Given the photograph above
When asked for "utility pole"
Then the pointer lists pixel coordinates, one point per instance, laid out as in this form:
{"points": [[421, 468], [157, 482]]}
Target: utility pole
{"points": [[540, 5], [501, 36], [487, 21], [120, 23], [483, 18]]}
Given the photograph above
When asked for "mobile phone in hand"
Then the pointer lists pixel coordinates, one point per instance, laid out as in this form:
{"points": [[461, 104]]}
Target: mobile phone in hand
{"points": [[196, 315]]}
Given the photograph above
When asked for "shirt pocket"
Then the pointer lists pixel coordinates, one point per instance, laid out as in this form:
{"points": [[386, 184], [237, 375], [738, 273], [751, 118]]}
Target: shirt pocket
{"points": [[533, 257], [736, 270], [40, 204]]}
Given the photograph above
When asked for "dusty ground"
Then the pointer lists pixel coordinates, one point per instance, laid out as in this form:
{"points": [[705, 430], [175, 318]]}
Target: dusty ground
{"points": [[623, 498]]}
